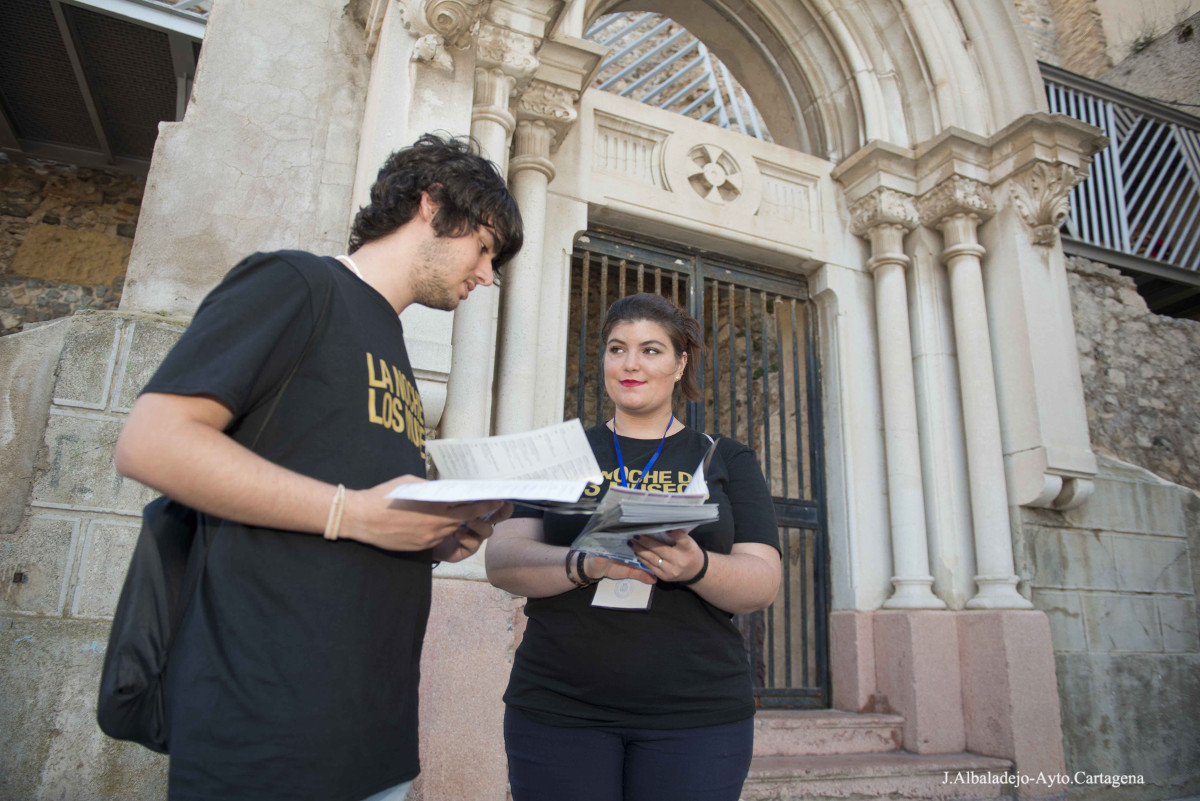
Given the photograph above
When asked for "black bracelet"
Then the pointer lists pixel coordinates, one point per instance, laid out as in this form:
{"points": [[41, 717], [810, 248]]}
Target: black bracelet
{"points": [[583, 576], [571, 576], [700, 575]]}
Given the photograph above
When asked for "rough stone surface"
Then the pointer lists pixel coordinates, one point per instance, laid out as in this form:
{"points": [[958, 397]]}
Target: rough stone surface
{"points": [[1140, 378], [66, 255], [1117, 579], [917, 663], [1165, 68], [27, 365], [65, 237], [1082, 45], [268, 150], [1132, 714], [1010, 696], [468, 653], [50, 746], [74, 533]]}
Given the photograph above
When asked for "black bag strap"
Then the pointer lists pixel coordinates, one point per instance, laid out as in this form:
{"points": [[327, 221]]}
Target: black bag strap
{"points": [[185, 596]]}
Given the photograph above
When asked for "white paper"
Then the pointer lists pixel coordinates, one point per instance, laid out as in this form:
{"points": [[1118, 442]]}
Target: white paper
{"points": [[556, 452], [453, 490], [550, 464]]}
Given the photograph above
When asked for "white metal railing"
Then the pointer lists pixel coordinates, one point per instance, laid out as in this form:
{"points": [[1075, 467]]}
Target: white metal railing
{"points": [[656, 61], [1143, 195]]}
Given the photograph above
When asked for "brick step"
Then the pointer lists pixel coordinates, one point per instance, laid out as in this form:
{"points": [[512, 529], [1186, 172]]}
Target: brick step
{"points": [[895, 775], [825, 731]]}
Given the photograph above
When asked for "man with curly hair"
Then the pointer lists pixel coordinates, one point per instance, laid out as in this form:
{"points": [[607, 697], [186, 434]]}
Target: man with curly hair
{"points": [[294, 672]]}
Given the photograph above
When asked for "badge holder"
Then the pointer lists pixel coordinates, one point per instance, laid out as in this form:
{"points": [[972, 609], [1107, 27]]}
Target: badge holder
{"points": [[627, 595]]}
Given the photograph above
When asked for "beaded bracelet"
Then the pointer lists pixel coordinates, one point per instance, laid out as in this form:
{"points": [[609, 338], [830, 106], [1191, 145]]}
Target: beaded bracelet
{"points": [[700, 575]]}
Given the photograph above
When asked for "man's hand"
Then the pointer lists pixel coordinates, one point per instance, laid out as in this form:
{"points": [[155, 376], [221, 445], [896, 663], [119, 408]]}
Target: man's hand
{"points": [[454, 530]]}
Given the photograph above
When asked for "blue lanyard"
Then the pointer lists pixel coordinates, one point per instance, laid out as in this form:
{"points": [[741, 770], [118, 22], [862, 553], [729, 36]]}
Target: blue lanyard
{"points": [[624, 471]]}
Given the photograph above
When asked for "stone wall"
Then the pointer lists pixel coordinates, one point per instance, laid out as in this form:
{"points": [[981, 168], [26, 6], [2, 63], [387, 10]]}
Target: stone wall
{"points": [[1118, 576], [1166, 69], [1067, 33], [67, 536], [65, 239], [1118, 579], [1140, 380]]}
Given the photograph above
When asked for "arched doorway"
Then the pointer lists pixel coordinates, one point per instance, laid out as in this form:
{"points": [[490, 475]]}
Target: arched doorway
{"points": [[761, 384]]}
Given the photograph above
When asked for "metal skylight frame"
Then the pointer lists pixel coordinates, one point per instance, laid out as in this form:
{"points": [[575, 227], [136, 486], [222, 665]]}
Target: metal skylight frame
{"points": [[679, 67]]}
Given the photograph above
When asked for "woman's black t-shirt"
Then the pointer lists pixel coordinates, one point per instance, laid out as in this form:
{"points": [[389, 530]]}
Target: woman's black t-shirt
{"points": [[680, 664], [295, 673]]}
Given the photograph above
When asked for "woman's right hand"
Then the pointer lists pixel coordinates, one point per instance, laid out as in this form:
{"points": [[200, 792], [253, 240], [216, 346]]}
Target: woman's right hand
{"points": [[598, 567]]}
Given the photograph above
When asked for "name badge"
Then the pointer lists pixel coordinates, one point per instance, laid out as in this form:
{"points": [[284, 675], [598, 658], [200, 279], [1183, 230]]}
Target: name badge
{"points": [[627, 594]]}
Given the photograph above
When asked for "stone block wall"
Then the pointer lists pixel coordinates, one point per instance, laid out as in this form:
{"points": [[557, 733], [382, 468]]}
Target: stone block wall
{"points": [[64, 551], [65, 238], [1118, 580], [1140, 378], [1068, 33]]}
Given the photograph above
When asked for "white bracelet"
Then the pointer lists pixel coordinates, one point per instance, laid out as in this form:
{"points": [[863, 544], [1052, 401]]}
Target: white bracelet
{"points": [[334, 521]]}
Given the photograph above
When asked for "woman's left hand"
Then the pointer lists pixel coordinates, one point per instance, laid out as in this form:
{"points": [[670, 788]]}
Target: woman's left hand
{"points": [[679, 560]]}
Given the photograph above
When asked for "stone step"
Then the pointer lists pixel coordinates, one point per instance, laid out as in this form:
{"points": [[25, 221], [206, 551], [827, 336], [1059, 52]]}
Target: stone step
{"points": [[825, 731], [895, 775]]}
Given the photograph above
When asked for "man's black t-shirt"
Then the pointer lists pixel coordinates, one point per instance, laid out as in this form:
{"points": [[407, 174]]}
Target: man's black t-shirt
{"points": [[295, 673], [681, 664]]}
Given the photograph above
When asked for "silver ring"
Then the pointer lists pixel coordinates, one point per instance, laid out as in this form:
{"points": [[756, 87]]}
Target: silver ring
{"points": [[659, 562]]}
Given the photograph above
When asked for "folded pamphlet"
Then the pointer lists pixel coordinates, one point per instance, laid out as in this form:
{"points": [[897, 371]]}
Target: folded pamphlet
{"points": [[550, 466]]}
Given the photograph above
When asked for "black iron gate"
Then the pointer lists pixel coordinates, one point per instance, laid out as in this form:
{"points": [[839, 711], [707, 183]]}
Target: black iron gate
{"points": [[761, 385]]}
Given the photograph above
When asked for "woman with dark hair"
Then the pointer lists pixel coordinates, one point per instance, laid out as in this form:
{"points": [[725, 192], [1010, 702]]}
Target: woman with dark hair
{"points": [[631, 683]]}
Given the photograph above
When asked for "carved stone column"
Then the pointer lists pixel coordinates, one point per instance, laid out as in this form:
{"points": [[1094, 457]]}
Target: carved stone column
{"points": [[503, 60], [517, 373], [884, 217], [957, 206]]}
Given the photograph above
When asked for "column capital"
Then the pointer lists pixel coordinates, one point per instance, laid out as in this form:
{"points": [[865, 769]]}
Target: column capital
{"points": [[956, 195], [883, 206], [503, 48], [1041, 194], [493, 89], [532, 143], [551, 105]]}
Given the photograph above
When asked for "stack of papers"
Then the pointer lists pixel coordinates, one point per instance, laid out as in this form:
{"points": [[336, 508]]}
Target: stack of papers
{"points": [[625, 512]]}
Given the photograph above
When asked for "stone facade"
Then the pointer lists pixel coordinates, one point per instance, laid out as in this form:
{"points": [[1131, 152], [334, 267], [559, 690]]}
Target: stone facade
{"points": [[292, 114], [1118, 580], [1139, 375], [65, 237]]}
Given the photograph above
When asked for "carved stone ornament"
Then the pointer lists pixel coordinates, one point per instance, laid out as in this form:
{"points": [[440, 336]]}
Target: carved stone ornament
{"points": [[548, 101], [513, 52], [438, 24], [431, 49], [883, 206], [714, 175], [454, 20], [957, 195], [1041, 195]]}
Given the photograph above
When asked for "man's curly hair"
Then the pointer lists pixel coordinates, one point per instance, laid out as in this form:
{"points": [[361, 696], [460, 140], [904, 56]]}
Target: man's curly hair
{"points": [[468, 189]]}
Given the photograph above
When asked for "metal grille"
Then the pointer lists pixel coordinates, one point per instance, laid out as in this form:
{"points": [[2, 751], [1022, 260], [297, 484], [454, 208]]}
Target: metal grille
{"points": [[657, 61], [761, 385], [1143, 195]]}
